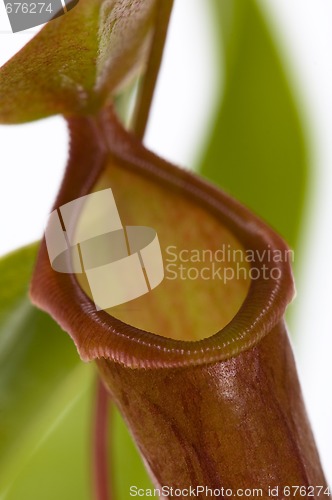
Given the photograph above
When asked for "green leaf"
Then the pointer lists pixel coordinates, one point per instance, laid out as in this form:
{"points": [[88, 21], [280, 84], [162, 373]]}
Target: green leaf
{"points": [[257, 150], [78, 60], [41, 378], [46, 403]]}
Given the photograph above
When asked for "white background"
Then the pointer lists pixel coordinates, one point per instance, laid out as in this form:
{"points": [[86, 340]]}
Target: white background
{"points": [[32, 158]]}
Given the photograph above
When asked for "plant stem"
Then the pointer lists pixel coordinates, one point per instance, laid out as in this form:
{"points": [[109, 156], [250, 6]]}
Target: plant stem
{"points": [[100, 455], [148, 84]]}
